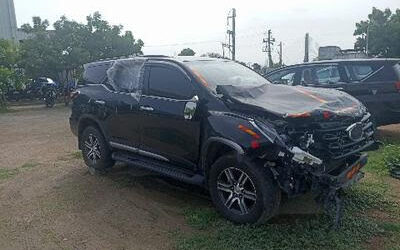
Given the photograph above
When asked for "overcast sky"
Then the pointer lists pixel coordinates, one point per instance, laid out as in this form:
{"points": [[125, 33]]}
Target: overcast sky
{"points": [[168, 26]]}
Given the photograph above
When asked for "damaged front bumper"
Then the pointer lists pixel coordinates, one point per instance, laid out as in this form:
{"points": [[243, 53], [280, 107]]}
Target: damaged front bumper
{"points": [[344, 176], [327, 187]]}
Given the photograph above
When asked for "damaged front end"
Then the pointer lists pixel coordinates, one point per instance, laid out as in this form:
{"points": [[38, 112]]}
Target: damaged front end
{"points": [[314, 137], [321, 155]]}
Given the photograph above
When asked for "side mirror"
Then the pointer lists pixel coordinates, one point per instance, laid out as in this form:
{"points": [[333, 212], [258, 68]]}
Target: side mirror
{"points": [[190, 108]]}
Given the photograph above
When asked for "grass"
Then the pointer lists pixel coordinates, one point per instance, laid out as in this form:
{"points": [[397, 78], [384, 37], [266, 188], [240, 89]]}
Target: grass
{"points": [[30, 165], [359, 227], [77, 155], [8, 173]]}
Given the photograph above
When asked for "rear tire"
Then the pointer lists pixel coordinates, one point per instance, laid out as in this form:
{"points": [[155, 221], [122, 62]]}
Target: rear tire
{"points": [[243, 193], [96, 152]]}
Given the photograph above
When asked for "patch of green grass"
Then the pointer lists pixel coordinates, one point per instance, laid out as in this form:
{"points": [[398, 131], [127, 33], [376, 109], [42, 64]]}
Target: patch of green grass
{"points": [[7, 173], [384, 159], [77, 155], [391, 226], [30, 165], [305, 232]]}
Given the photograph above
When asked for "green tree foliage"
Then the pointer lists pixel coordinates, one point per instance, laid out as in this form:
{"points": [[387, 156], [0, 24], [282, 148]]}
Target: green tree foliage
{"points": [[71, 44], [10, 76], [187, 52], [256, 67], [383, 29]]}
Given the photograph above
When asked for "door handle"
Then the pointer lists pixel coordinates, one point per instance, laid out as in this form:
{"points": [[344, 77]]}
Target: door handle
{"points": [[146, 108]]}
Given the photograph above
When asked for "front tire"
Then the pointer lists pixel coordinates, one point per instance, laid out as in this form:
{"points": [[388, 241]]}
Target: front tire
{"points": [[96, 153], [243, 193]]}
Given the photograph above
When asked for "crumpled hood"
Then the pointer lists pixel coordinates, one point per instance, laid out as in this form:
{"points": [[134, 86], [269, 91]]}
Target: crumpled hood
{"points": [[293, 101]]}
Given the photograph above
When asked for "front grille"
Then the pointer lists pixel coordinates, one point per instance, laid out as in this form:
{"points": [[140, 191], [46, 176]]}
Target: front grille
{"points": [[336, 142]]}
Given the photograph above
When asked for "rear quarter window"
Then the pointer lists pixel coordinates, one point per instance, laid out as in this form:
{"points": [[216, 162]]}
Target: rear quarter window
{"points": [[374, 72]]}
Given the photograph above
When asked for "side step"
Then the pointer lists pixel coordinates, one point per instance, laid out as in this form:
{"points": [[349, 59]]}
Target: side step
{"points": [[163, 169]]}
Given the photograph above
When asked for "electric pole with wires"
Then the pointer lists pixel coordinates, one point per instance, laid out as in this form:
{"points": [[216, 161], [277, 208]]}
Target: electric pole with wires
{"points": [[269, 41], [280, 54], [231, 32]]}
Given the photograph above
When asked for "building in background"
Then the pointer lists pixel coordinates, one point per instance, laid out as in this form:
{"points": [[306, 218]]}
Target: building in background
{"points": [[335, 52], [8, 20], [8, 23]]}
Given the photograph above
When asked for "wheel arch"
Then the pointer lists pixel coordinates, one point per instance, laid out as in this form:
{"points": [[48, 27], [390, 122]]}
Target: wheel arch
{"points": [[215, 147], [86, 121]]}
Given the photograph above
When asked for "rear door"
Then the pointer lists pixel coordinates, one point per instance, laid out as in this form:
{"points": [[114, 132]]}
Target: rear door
{"points": [[167, 133], [123, 122]]}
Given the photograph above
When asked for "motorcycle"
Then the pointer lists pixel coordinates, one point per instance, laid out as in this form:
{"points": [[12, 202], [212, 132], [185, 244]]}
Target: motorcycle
{"points": [[50, 95]]}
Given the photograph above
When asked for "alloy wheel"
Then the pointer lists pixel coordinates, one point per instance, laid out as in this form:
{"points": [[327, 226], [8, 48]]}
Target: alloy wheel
{"points": [[93, 148], [236, 190]]}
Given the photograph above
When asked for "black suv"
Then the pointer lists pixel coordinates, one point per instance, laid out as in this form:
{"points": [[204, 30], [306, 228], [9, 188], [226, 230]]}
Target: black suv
{"points": [[220, 125], [375, 82]]}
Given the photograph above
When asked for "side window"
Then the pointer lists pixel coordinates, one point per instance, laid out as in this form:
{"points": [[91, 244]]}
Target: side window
{"points": [[170, 83], [283, 77], [125, 75], [357, 72], [320, 75]]}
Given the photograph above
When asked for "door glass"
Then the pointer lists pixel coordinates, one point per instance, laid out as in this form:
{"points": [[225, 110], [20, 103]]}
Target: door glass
{"points": [[356, 72], [170, 83], [125, 75], [283, 77], [320, 75]]}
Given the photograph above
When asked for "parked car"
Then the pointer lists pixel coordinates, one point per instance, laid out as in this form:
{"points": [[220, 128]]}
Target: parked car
{"points": [[220, 125], [375, 82]]}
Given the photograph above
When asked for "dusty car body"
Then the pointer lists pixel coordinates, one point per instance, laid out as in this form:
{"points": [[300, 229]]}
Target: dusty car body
{"points": [[220, 125]]}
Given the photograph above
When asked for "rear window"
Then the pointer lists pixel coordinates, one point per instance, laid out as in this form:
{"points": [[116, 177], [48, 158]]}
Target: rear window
{"points": [[358, 72], [372, 72]]}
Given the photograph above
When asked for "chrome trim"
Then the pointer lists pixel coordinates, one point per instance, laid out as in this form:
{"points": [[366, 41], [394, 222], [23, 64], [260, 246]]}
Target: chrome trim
{"points": [[137, 151]]}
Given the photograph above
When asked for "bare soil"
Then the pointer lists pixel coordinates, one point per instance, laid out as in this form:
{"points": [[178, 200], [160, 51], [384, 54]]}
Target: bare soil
{"points": [[48, 199]]}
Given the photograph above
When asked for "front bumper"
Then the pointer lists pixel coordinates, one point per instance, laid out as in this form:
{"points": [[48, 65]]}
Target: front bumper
{"points": [[328, 186], [344, 176]]}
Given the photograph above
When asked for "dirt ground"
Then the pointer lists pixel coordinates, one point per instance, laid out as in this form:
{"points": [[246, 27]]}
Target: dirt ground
{"points": [[48, 199]]}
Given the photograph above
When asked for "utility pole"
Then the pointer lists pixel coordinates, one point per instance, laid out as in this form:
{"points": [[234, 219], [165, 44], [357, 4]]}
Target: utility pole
{"points": [[269, 41], [367, 40], [231, 33], [307, 48], [280, 54]]}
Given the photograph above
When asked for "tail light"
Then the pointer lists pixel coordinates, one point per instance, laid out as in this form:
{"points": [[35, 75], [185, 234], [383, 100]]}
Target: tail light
{"points": [[397, 84], [74, 94]]}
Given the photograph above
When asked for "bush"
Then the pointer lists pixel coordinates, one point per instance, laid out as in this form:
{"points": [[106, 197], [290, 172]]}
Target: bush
{"points": [[391, 156]]}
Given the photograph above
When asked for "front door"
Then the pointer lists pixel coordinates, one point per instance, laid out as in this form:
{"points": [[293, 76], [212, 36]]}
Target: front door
{"points": [[166, 130]]}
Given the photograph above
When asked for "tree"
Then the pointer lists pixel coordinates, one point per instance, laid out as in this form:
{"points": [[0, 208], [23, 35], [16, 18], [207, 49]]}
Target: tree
{"points": [[187, 52], [256, 67], [382, 30], [10, 76], [61, 52]]}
